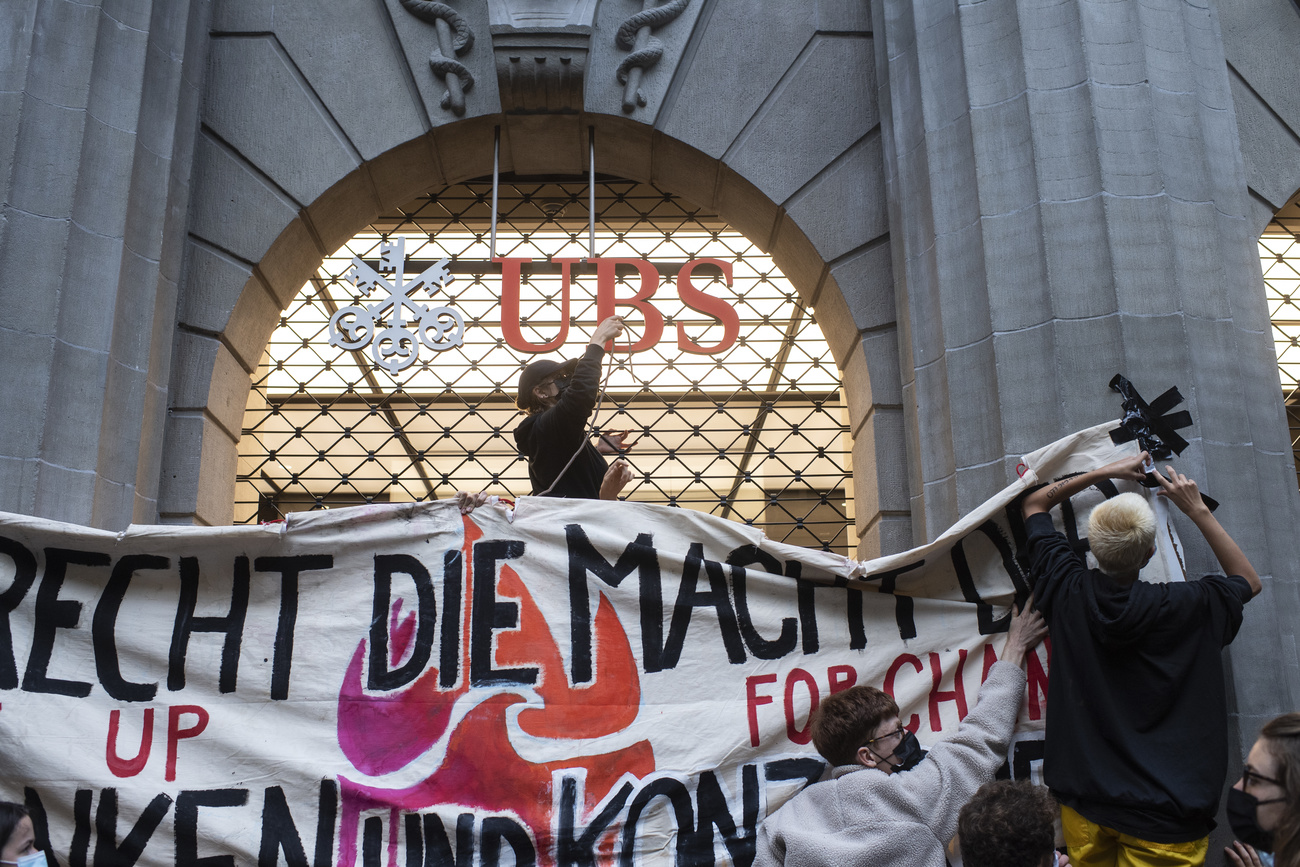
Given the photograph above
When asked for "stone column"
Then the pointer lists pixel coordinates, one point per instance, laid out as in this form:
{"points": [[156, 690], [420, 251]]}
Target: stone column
{"points": [[1068, 202], [98, 108]]}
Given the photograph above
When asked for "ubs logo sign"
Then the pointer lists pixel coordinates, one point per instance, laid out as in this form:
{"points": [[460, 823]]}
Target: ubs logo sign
{"points": [[396, 326], [718, 309], [384, 325]]}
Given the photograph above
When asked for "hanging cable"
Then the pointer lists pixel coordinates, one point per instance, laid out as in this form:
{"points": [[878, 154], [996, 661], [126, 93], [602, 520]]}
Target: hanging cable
{"points": [[496, 181]]}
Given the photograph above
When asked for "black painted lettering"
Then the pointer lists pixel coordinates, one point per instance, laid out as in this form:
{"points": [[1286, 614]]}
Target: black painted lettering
{"points": [[414, 840], [279, 833], [40, 823], [24, 574], [683, 813], [498, 829], [689, 597], [326, 821], [573, 849], [372, 842], [437, 848], [807, 606], [231, 625], [853, 599], [966, 580], [807, 769], [79, 849], [713, 811], [639, 556], [103, 628], [453, 588], [761, 647], [108, 852], [904, 617], [53, 614], [187, 824], [386, 566], [289, 568], [488, 614]]}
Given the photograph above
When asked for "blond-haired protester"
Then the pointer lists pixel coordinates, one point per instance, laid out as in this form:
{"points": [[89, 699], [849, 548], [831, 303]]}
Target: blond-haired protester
{"points": [[1264, 805], [1136, 748]]}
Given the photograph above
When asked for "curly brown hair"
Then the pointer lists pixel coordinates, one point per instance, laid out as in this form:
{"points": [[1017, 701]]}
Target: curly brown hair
{"points": [[1281, 737], [845, 721], [1008, 824]]}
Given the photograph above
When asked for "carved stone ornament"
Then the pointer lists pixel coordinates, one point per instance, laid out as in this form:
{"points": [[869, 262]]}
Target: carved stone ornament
{"points": [[541, 14], [454, 38], [634, 36], [541, 49]]}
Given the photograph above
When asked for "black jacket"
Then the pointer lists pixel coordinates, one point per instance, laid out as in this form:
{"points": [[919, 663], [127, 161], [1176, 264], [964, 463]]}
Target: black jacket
{"points": [[1137, 723], [548, 439]]}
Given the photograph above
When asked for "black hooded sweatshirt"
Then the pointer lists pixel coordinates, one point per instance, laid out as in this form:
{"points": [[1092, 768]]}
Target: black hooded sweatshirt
{"points": [[550, 437], [1137, 731]]}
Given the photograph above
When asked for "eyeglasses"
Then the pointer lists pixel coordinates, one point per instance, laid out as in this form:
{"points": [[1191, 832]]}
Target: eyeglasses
{"points": [[897, 734], [1248, 777]]}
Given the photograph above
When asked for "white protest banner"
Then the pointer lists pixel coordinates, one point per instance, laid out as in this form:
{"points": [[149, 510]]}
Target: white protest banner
{"points": [[571, 683]]}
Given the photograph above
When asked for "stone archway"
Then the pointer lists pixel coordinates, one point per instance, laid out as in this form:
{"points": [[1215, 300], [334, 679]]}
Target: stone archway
{"points": [[205, 418]]}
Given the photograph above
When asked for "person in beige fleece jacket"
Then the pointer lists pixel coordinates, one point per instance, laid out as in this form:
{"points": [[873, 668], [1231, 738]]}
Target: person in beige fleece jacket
{"points": [[879, 806]]}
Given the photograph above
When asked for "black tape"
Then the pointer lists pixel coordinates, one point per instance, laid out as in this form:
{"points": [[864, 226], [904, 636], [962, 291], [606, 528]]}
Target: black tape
{"points": [[1150, 424], [1153, 427]]}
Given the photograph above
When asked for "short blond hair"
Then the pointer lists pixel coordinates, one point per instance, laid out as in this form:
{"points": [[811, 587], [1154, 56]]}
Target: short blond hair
{"points": [[1121, 532]]}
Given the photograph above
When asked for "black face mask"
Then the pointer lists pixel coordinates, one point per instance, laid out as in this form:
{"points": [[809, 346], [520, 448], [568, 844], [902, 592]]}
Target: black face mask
{"points": [[908, 754], [1242, 816], [561, 383]]}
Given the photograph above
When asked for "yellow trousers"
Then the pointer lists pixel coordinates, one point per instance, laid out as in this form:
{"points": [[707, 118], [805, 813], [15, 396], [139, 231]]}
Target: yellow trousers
{"points": [[1093, 845]]}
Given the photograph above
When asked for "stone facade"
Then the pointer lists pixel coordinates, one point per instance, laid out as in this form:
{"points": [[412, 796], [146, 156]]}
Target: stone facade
{"points": [[994, 206]]}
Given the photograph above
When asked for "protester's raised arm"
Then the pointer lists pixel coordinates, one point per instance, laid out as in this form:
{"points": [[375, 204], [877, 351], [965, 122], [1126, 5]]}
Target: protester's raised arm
{"points": [[1048, 496], [1027, 629], [1182, 491], [607, 330]]}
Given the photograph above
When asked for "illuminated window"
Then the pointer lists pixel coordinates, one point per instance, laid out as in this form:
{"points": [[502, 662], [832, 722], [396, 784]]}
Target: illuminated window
{"points": [[755, 432], [1279, 250]]}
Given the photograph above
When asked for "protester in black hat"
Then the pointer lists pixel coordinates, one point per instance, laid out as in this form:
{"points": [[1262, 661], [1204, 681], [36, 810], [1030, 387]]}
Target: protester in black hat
{"points": [[559, 397]]}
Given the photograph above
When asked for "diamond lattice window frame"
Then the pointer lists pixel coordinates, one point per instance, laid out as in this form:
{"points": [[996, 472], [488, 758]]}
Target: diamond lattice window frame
{"points": [[757, 434], [1279, 251]]}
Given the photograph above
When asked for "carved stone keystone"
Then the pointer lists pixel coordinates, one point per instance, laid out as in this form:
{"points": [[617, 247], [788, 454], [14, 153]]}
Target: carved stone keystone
{"points": [[541, 49]]}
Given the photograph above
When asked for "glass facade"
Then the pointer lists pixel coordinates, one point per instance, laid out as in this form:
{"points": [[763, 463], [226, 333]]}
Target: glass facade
{"points": [[1279, 250]]}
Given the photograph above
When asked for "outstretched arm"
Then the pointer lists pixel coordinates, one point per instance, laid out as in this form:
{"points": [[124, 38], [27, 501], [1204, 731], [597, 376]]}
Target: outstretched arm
{"points": [[1027, 629], [1048, 496], [609, 328], [1183, 493]]}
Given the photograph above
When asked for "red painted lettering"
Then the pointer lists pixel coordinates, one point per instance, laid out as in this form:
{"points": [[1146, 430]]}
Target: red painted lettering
{"points": [[753, 700], [957, 693], [175, 733], [128, 767], [990, 657], [914, 722], [1037, 675], [841, 677], [800, 735]]}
